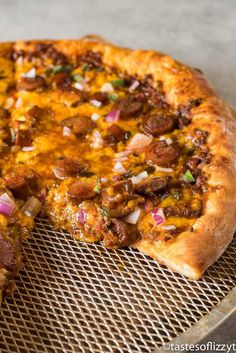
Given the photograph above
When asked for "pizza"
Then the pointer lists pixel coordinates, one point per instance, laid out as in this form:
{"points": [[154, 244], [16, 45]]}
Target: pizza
{"points": [[112, 145]]}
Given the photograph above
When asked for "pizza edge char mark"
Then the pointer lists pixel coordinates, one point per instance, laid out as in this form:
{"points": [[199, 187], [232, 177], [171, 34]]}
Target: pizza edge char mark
{"points": [[191, 252]]}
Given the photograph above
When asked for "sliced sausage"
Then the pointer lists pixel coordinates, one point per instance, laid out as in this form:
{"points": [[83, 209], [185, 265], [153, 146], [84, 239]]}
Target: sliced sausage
{"points": [[120, 234], [162, 154], [61, 80], [9, 252], [79, 191], [116, 132], [68, 167], [23, 137], [129, 106], [156, 124], [31, 83], [151, 186], [22, 181], [80, 125]]}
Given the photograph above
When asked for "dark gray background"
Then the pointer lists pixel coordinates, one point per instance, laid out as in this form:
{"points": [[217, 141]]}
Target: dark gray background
{"points": [[200, 33]]}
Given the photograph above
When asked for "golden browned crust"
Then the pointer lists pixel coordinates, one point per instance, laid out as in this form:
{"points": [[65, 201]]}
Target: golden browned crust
{"points": [[191, 253]]}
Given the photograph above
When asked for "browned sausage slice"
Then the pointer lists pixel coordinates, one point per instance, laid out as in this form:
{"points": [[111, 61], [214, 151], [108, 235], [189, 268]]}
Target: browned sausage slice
{"points": [[120, 234], [22, 181], [68, 167], [129, 106], [151, 186], [116, 132], [79, 191], [156, 124], [162, 154], [31, 83], [80, 125], [61, 80]]}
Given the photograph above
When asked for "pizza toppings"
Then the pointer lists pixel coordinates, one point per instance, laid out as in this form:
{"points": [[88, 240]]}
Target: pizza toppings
{"points": [[156, 124], [68, 167], [119, 234], [32, 207], [22, 181], [7, 205], [116, 133], [79, 191], [151, 186], [31, 83], [79, 125], [123, 126], [162, 154], [130, 106]]}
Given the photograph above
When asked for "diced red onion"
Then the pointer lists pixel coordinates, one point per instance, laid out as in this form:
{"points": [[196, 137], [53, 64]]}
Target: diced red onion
{"points": [[81, 217], [158, 215], [118, 167], [9, 102], [96, 103], [169, 227], [137, 178], [139, 142], [168, 140], [28, 148], [133, 86], [30, 74], [58, 174], [95, 116], [66, 131], [6, 205], [19, 102], [42, 195], [107, 87], [32, 207], [113, 116], [133, 217], [78, 86], [97, 140], [104, 180], [164, 170], [122, 154]]}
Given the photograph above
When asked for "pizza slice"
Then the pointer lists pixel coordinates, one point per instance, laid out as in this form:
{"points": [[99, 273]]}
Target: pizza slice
{"points": [[130, 148]]}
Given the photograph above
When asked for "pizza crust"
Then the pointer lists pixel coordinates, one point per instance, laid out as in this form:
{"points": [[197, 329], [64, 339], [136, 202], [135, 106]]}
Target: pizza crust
{"points": [[191, 253]]}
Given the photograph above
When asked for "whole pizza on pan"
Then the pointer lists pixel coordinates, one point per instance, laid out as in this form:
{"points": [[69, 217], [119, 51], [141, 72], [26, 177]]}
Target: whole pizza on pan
{"points": [[126, 147]]}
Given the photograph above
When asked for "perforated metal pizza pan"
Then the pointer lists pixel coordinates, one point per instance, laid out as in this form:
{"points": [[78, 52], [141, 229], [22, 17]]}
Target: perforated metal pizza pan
{"points": [[75, 297]]}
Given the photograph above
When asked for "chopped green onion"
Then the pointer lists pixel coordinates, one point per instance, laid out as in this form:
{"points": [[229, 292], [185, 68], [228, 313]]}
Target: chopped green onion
{"points": [[78, 78], [175, 194], [85, 67], [118, 83], [188, 177], [60, 68], [150, 169], [112, 97], [104, 212]]}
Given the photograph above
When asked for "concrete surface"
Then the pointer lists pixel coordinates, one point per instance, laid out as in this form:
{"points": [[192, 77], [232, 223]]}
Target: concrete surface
{"points": [[200, 33]]}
